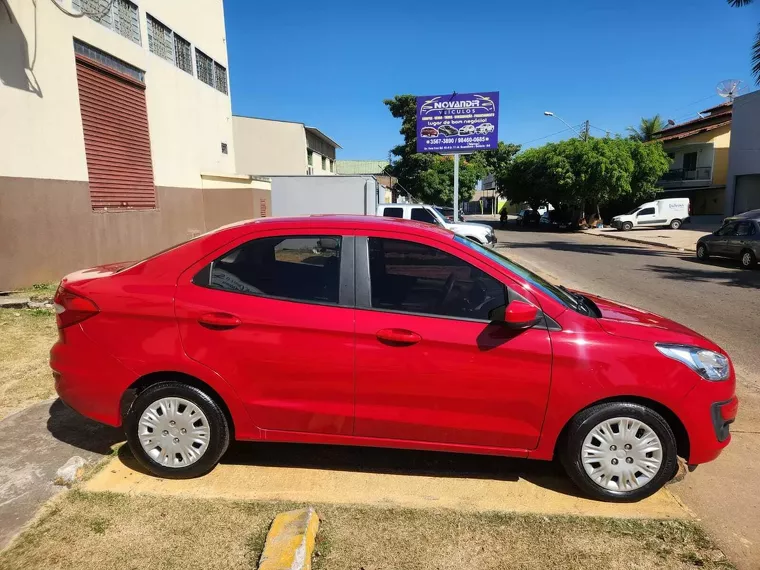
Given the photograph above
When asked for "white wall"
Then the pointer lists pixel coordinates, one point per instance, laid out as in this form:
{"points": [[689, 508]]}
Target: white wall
{"points": [[40, 122], [744, 154], [318, 171], [265, 147]]}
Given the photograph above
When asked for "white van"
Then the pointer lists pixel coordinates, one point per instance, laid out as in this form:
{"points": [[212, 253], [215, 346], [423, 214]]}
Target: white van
{"points": [[670, 212]]}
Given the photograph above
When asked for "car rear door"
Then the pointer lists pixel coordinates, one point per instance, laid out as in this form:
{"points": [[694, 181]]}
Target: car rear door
{"points": [[273, 316], [430, 367]]}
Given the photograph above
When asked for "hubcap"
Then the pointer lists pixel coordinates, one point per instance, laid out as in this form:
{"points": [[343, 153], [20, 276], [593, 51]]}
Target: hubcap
{"points": [[701, 251], [174, 432], [621, 454], [746, 259]]}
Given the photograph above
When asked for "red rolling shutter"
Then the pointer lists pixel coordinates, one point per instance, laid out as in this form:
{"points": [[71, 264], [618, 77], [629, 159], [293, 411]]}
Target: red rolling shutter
{"points": [[116, 137]]}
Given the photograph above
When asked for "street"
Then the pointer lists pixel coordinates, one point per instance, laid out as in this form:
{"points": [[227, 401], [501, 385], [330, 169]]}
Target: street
{"points": [[716, 299]]}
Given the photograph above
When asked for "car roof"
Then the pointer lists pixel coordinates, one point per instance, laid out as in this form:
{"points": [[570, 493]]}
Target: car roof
{"points": [[748, 215]]}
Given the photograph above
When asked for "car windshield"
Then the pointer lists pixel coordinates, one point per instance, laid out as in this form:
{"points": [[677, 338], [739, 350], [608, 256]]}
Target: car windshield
{"points": [[632, 212], [438, 216], [559, 294]]}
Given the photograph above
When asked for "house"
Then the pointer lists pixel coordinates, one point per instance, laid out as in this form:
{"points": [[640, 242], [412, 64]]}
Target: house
{"points": [[116, 133], [698, 150], [268, 147], [743, 179]]}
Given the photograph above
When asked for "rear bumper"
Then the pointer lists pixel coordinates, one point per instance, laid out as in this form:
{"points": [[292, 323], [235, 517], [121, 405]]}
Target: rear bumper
{"points": [[708, 411], [88, 380]]}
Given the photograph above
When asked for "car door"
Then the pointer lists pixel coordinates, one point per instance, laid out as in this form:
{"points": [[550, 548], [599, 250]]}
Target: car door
{"points": [[430, 367], [273, 316], [647, 217], [740, 239], [719, 242]]}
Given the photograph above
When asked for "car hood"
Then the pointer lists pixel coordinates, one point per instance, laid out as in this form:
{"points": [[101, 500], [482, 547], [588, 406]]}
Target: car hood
{"points": [[637, 324], [463, 226]]}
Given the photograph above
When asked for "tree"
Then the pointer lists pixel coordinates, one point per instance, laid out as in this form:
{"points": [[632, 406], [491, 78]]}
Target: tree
{"points": [[428, 176], [586, 174], [755, 46], [647, 128]]}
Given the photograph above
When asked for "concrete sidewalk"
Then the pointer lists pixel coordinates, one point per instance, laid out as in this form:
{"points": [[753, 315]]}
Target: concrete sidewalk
{"points": [[681, 239], [34, 444]]}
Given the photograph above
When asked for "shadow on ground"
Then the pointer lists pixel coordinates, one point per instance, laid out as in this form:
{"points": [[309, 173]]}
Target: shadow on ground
{"points": [[66, 425], [589, 248], [721, 271], [545, 474]]}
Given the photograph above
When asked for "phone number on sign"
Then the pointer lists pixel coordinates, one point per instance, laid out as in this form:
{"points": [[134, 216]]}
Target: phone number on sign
{"points": [[455, 140]]}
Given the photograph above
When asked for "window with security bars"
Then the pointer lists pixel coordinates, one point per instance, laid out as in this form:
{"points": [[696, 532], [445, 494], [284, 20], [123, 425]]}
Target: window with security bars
{"points": [[204, 65], [220, 78], [160, 39], [121, 16], [183, 56]]}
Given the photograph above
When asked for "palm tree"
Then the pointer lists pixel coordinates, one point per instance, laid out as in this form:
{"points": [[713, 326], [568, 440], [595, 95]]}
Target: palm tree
{"points": [[647, 128], [755, 46]]}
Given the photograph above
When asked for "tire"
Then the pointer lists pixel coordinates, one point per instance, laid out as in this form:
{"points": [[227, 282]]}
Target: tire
{"points": [[702, 253], [639, 485], [183, 403], [747, 259], [627, 226], [675, 224]]}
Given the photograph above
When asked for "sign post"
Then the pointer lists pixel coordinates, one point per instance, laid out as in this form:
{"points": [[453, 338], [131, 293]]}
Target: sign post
{"points": [[460, 123]]}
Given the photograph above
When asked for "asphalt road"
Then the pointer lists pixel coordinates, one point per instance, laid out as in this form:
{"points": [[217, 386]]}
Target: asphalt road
{"points": [[717, 299]]}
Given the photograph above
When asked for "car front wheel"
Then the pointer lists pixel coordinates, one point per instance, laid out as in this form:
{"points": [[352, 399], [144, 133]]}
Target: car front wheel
{"points": [[702, 253], [176, 431], [619, 451], [627, 226]]}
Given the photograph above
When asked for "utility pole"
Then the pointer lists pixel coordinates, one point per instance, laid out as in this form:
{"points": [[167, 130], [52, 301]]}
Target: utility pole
{"points": [[586, 127]]}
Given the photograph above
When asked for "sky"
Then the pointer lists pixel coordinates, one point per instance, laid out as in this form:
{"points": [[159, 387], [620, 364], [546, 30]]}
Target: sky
{"points": [[331, 64]]}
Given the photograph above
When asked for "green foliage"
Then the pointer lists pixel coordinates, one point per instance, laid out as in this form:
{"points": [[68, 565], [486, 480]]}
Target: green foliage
{"points": [[647, 128], [576, 173], [429, 177]]}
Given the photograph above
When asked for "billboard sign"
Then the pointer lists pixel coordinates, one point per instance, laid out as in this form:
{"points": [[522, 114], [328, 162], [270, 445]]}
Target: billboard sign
{"points": [[458, 123]]}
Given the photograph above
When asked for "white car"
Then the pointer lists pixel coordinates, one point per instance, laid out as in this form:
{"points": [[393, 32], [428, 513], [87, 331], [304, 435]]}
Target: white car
{"points": [[467, 130], [481, 233], [484, 128]]}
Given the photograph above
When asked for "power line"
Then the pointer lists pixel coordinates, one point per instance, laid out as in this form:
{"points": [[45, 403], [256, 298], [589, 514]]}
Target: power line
{"points": [[551, 135]]}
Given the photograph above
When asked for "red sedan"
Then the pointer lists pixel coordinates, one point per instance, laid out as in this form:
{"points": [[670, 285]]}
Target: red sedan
{"points": [[379, 332]]}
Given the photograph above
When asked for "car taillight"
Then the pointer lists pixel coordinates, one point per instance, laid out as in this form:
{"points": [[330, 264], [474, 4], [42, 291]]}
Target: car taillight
{"points": [[71, 308]]}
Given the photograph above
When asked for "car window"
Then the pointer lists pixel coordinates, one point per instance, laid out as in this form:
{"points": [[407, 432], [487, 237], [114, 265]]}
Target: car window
{"points": [[416, 278], [727, 230], [646, 212], [744, 229], [752, 230], [423, 215], [393, 212], [301, 268]]}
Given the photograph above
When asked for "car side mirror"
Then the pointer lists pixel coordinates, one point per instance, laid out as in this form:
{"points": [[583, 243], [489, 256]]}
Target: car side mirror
{"points": [[517, 315]]}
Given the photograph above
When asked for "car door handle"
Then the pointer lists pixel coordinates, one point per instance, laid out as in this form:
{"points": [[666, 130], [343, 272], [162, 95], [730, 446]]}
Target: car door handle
{"points": [[398, 337], [219, 321]]}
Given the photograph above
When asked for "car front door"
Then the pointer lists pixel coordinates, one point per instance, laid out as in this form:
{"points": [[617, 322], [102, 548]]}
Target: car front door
{"points": [[719, 243], [274, 317], [740, 239], [430, 366], [647, 217]]}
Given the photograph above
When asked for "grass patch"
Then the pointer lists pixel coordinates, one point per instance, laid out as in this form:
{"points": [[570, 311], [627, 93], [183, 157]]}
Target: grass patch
{"points": [[113, 531], [26, 336], [40, 291]]}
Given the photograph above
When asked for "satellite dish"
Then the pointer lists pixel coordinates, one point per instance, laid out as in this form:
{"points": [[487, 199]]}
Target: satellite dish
{"points": [[731, 88], [671, 122]]}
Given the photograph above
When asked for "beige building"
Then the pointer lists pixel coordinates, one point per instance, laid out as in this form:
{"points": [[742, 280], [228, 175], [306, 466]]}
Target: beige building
{"points": [[267, 147], [115, 133]]}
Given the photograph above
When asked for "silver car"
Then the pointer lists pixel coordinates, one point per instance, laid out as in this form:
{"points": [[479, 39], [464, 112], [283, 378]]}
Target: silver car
{"points": [[739, 239]]}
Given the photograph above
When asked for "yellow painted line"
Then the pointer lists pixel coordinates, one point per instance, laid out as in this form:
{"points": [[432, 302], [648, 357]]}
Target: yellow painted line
{"points": [[290, 541], [544, 494]]}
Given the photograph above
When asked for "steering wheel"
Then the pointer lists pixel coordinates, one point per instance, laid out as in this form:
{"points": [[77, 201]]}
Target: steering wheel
{"points": [[447, 289]]}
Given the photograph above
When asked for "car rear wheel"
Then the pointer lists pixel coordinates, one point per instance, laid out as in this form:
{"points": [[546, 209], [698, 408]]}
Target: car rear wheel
{"points": [[748, 259], [176, 431], [702, 253], [675, 224], [627, 226], [619, 451]]}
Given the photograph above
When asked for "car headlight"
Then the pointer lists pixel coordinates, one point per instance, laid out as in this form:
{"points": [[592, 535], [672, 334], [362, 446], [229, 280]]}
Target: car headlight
{"points": [[708, 364]]}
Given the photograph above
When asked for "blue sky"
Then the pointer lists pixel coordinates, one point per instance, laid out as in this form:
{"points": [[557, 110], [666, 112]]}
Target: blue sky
{"points": [[331, 64]]}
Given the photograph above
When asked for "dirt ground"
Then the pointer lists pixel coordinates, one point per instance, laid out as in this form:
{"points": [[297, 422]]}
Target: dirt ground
{"points": [[26, 336], [116, 531]]}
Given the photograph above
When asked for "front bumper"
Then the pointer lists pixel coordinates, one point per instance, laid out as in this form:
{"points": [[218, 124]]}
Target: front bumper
{"points": [[707, 412], [617, 224]]}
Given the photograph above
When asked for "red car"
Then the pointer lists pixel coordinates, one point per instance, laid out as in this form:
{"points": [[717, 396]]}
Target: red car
{"points": [[380, 332]]}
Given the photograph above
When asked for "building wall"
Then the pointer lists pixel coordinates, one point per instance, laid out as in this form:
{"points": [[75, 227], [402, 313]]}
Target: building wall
{"points": [[721, 141], [268, 148], [744, 156], [317, 162]]}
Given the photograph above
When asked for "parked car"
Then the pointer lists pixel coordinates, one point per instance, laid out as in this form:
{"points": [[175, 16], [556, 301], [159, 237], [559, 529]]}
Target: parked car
{"points": [[749, 215], [481, 233], [669, 212], [528, 217], [429, 132], [467, 130], [360, 330], [736, 240], [446, 212], [448, 130]]}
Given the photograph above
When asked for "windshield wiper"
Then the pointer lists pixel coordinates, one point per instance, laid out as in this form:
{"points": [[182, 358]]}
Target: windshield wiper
{"points": [[580, 300]]}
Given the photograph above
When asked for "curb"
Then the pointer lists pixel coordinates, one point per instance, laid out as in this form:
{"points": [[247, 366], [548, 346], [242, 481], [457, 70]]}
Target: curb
{"points": [[290, 541], [641, 241]]}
